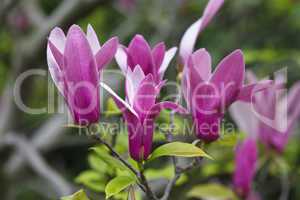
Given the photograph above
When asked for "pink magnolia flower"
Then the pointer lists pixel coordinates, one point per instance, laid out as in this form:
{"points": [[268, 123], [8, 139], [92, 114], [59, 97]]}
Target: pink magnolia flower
{"points": [[272, 115], [140, 109], [74, 63], [189, 38], [155, 61], [245, 168], [208, 94]]}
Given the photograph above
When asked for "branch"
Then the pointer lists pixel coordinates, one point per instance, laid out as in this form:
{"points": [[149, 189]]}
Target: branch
{"points": [[34, 12], [5, 7], [44, 138], [143, 183], [37, 163]]}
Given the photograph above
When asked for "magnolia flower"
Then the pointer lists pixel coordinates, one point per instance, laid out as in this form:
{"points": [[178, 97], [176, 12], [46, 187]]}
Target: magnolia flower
{"points": [[153, 61], [208, 94], [272, 115], [140, 109], [245, 168], [190, 36], [74, 63]]}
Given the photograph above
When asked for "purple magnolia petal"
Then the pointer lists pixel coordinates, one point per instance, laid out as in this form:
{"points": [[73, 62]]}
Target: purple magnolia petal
{"points": [[245, 118], [245, 167], [56, 54], [81, 76], [157, 108], [293, 109], [247, 92], [145, 96], [229, 76], [185, 87], [148, 137], [136, 132], [121, 58], [55, 72], [107, 52], [167, 59], [201, 61], [139, 53], [190, 36], [58, 39], [251, 77], [158, 54], [133, 81], [208, 126], [93, 39], [134, 126]]}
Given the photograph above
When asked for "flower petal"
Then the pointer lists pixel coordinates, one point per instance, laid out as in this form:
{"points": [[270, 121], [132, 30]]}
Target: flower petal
{"points": [[245, 166], [93, 39], [58, 39], [158, 54], [55, 71], [293, 104], [121, 58], [81, 76], [133, 81], [201, 61], [190, 36], [145, 96], [247, 92], [229, 76], [166, 61], [139, 53], [107, 52], [245, 118]]}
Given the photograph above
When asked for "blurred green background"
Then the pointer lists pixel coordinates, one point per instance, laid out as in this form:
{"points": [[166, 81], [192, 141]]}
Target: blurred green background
{"points": [[266, 30]]}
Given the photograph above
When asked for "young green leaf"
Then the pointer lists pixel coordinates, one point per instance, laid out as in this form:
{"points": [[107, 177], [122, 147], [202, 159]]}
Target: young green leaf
{"points": [[111, 108], [92, 179], [178, 149], [118, 184], [80, 195], [211, 191]]}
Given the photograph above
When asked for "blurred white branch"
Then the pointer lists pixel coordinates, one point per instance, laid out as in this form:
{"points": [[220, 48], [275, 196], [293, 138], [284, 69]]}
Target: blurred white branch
{"points": [[37, 163], [34, 12], [43, 139]]}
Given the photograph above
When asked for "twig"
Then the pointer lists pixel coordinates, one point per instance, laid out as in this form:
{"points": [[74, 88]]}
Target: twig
{"points": [[144, 181], [178, 173], [114, 153]]}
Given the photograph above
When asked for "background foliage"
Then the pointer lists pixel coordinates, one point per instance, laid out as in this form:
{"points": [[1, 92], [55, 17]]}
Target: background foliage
{"points": [[266, 30]]}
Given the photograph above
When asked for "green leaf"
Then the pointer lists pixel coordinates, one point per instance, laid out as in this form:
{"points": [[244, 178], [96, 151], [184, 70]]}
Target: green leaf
{"points": [[108, 159], [97, 163], [111, 108], [80, 195], [211, 191], [178, 149], [92, 179], [117, 185]]}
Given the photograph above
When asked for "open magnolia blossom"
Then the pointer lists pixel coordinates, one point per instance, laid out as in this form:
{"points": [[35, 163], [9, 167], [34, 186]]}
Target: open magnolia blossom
{"points": [[189, 38], [74, 63], [272, 115], [208, 94], [140, 109], [246, 157], [155, 61]]}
